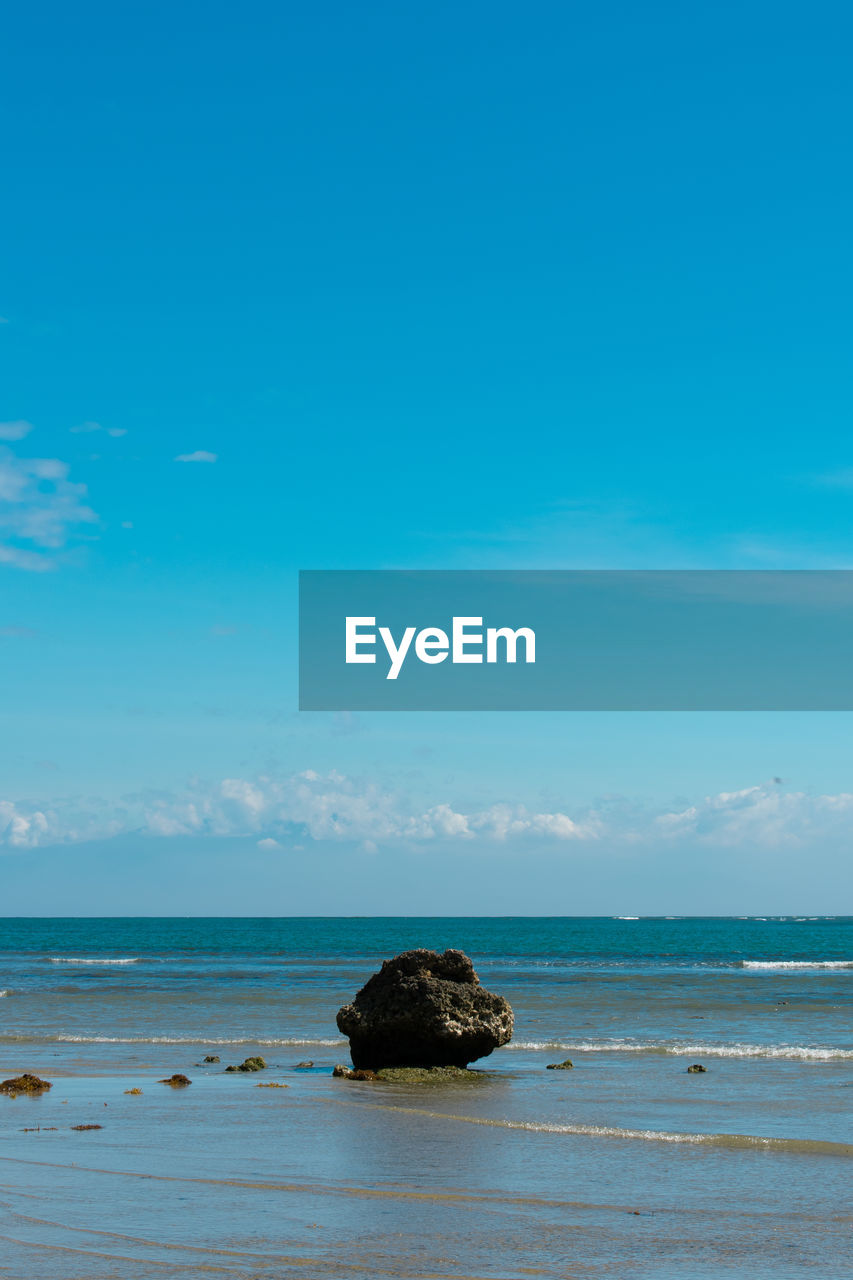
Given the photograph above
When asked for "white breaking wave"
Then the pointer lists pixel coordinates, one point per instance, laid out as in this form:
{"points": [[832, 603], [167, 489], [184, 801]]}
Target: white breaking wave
{"points": [[192, 1040], [736, 1140], [3, 993], [626, 917], [94, 960], [797, 964], [800, 1052]]}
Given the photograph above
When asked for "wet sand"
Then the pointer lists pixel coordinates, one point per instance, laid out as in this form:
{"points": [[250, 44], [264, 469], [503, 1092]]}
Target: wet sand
{"points": [[337, 1178]]}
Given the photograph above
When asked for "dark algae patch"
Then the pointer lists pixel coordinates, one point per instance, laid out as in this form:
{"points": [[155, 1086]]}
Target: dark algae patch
{"points": [[412, 1075], [80, 1128], [26, 1083]]}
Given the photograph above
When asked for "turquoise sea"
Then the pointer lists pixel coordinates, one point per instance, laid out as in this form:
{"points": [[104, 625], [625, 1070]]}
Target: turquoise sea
{"points": [[624, 1166]]}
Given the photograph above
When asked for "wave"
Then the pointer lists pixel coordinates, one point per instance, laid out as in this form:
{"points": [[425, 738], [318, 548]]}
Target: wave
{"points": [[626, 917], [3, 993], [796, 964], [94, 960], [738, 1141], [294, 1041], [795, 1052]]}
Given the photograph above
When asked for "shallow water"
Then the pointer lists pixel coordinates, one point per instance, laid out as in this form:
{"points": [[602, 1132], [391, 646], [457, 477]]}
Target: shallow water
{"points": [[624, 1166]]}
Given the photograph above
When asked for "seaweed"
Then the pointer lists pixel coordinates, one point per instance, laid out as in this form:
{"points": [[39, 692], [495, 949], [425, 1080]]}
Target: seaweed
{"points": [[26, 1083]]}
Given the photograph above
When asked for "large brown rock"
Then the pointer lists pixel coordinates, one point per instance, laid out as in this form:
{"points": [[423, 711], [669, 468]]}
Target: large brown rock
{"points": [[423, 1009]]}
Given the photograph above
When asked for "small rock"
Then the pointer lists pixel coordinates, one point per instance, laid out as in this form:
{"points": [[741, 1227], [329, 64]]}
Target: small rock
{"points": [[271, 1084], [696, 1069], [565, 1065], [177, 1081], [303, 1066], [250, 1064], [26, 1083], [136, 1093], [81, 1127], [212, 1057], [347, 1073]]}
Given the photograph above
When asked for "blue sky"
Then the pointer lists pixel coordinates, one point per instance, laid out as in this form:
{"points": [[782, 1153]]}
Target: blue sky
{"points": [[432, 286]]}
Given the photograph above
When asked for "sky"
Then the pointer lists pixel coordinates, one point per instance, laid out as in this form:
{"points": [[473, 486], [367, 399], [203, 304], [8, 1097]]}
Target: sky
{"points": [[381, 286]]}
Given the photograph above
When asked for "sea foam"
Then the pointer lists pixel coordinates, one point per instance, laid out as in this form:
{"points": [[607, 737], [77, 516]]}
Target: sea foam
{"points": [[796, 964], [795, 1052]]}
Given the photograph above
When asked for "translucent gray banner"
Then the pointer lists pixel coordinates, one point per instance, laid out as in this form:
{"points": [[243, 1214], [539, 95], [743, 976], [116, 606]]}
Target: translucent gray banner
{"points": [[575, 640]]}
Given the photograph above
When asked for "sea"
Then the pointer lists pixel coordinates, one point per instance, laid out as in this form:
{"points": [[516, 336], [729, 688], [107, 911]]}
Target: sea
{"points": [[626, 1165]]}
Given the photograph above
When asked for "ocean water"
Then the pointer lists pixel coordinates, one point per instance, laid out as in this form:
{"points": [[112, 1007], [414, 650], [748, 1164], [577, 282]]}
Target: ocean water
{"points": [[624, 1166]]}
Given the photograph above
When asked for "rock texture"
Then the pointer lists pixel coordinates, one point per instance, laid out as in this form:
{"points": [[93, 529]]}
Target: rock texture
{"points": [[423, 1009], [250, 1064]]}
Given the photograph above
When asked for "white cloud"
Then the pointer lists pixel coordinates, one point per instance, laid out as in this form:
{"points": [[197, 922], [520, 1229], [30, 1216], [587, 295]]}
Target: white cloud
{"points": [[288, 811], [766, 815], [87, 428], [200, 455], [15, 430], [40, 510], [19, 558], [281, 810]]}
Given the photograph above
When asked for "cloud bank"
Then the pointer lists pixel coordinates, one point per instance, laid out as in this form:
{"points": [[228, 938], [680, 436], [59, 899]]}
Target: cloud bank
{"points": [[279, 812]]}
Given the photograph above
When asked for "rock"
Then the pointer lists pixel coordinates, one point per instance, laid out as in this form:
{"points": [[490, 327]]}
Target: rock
{"points": [[177, 1081], [26, 1083], [565, 1065], [696, 1069], [250, 1064], [303, 1066], [212, 1057], [347, 1073], [271, 1084], [136, 1093], [423, 1009], [81, 1127]]}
